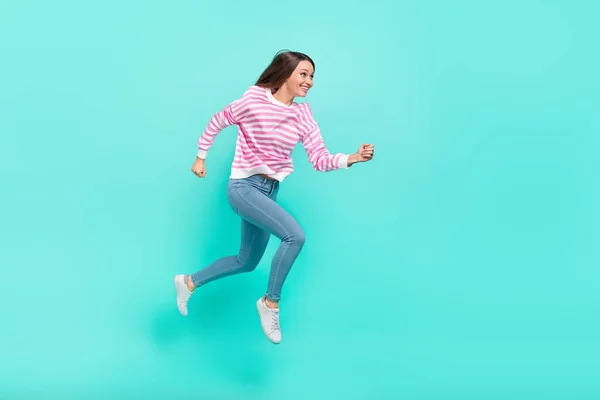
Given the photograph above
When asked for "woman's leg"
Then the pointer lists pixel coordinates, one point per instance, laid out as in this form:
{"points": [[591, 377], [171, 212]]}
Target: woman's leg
{"points": [[264, 213], [253, 245], [254, 199], [257, 205]]}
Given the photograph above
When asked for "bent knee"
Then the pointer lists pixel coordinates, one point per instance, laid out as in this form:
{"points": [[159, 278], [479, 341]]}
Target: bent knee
{"points": [[296, 237], [301, 238], [247, 265]]}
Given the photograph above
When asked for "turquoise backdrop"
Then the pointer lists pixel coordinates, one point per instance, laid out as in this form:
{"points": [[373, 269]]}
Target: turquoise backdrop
{"points": [[461, 263]]}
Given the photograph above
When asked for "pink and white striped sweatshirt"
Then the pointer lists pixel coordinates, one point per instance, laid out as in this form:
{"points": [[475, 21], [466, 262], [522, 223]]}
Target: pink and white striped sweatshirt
{"points": [[268, 131]]}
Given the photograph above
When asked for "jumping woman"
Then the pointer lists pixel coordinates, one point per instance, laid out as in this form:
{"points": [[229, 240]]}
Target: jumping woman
{"points": [[270, 124]]}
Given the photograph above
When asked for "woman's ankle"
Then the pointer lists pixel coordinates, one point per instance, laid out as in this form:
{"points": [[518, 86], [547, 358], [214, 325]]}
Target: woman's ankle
{"points": [[189, 283], [271, 304]]}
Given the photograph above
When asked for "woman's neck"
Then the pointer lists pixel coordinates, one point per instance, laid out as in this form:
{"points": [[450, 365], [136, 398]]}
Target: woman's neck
{"points": [[284, 97]]}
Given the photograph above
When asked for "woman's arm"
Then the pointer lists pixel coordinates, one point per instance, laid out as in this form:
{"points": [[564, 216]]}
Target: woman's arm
{"points": [[230, 115], [318, 154]]}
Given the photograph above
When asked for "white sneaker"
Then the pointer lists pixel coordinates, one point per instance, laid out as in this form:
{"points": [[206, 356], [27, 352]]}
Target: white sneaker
{"points": [[269, 319], [183, 294]]}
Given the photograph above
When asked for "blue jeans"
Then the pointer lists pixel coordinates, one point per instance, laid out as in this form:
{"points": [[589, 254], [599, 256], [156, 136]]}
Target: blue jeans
{"points": [[254, 199]]}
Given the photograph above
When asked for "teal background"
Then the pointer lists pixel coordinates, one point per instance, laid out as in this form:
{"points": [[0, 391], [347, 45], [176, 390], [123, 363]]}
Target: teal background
{"points": [[461, 263]]}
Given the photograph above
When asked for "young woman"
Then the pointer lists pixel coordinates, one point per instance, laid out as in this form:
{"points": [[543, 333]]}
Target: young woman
{"points": [[269, 124]]}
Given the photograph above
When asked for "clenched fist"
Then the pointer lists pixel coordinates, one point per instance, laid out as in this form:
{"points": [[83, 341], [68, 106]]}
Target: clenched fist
{"points": [[199, 169], [366, 152]]}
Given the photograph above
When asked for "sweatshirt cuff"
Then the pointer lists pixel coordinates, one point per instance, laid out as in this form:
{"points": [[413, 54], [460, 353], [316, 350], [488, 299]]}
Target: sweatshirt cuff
{"points": [[202, 154], [343, 162]]}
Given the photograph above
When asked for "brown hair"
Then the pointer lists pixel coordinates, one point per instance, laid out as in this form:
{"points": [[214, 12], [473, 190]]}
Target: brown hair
{"points": [[282, 66]]}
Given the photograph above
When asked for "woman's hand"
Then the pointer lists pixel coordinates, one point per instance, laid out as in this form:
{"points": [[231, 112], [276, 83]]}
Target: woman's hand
{"points": [[199, 169], [365, 153]]}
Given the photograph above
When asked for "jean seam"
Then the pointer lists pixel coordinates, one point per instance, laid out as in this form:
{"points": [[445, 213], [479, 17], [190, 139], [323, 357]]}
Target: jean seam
{"points": [[276, 274], [252, 241]]}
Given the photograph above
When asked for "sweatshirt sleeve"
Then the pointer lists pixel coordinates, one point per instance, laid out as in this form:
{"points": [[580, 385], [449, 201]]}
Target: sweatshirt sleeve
{"points": [[230, 115], [314, 145]]}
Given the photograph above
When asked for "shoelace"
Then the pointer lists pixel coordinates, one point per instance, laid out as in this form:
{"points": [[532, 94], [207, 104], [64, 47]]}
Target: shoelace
{"points": [[274, 321]]}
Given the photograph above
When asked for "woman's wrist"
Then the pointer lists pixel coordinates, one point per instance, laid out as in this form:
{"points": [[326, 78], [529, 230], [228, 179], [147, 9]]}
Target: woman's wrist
{"points": [[352, 159]]}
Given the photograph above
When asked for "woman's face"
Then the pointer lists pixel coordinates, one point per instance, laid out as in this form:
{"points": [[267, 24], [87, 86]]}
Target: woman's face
{"points": [[301, 80]]}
